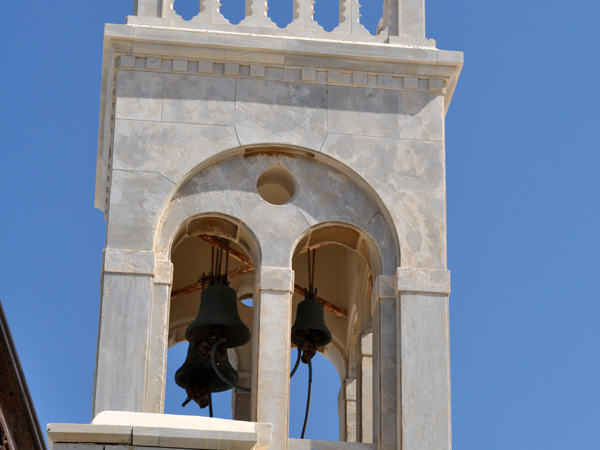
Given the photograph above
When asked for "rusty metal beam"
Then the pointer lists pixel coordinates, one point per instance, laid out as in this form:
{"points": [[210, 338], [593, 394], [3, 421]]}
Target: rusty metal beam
{"points": [[326, 305], [216, 242], [188, 289], [247, 267]]}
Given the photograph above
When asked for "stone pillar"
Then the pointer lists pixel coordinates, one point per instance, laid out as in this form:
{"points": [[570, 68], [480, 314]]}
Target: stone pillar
{"points": [[347, 411], [385, 374], [241, 400], [366, 388], [124, 331], [423, 344], [412, 18], [271, 369], [147, 8], [159, 337]]}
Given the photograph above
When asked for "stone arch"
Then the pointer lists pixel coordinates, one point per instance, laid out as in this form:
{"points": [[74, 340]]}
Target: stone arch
{"points": [[353, 241], [329, 197], [206, 224], [348, 287], [227, 186]]}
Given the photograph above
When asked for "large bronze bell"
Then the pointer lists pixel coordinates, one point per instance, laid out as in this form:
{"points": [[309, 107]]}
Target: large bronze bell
{"points": [[218, 318], [199, 379], [309, 331]]}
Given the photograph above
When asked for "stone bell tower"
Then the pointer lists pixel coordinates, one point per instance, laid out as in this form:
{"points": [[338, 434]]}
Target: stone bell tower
{"points": [[276, 142]]}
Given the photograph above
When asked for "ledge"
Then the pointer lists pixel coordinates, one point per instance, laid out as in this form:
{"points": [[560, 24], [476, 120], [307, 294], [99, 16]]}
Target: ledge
{"points": [[307, 444], [162, 430]]}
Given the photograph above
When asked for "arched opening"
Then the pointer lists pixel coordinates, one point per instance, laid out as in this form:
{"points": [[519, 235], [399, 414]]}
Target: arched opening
{"points": [[354, 231], [194, 254], [344, 282]]}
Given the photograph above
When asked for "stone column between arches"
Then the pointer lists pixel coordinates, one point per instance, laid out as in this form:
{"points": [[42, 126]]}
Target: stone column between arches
{"points": [[271, 349]]}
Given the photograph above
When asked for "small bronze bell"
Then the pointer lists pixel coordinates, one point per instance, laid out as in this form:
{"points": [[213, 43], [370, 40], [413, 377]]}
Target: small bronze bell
{"points": [[218, 318], [199, 379], [309, 331]]}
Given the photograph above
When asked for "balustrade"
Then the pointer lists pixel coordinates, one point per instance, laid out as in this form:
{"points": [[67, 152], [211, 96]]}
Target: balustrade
{"points": [[401, 19]]}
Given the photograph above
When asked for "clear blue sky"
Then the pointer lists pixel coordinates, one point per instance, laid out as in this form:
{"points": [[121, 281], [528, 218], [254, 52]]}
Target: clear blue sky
{"points": [[523, 183]]}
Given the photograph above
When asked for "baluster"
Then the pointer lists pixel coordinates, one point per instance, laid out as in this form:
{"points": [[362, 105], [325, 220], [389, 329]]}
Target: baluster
{"points": [[204, 14], [345, 25], [298, 15], [357, 27], [412, 18], [304, 11], [215, 13], [256, 14], [404, 19], [388, 26], [146, 8], [168, 10], [311, 23], [350, 18]]}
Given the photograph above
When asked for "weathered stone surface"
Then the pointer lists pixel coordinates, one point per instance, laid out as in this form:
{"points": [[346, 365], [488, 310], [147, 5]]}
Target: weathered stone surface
{"points": [[325, 194], [145, 436], [420, 222], [276, 279], [380, 231], [157, 349], [423, 280], [79, 434], [276, 247], [70, 446], [128, 261], [198, 99], [309, 444], [386, 382], [385, 286], [171, 149], [139, 95], [366, 344], [163, 272], [172, 221], [390, 165], [272, 380], [123, 341], [421, 116], [425, 397], [135, 203], [366, 399], [285, 113], [363, 111]]}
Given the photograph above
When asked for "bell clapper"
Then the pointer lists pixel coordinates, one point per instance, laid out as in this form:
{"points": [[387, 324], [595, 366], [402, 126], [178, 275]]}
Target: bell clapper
{"points": [[199, 393]]}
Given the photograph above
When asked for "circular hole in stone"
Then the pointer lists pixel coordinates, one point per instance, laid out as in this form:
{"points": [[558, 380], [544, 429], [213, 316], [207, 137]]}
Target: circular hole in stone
{"points": [[276, 185]]}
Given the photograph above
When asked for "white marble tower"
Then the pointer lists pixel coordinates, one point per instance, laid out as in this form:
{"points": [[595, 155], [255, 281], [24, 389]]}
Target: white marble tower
{"points": [[279, 140]]}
